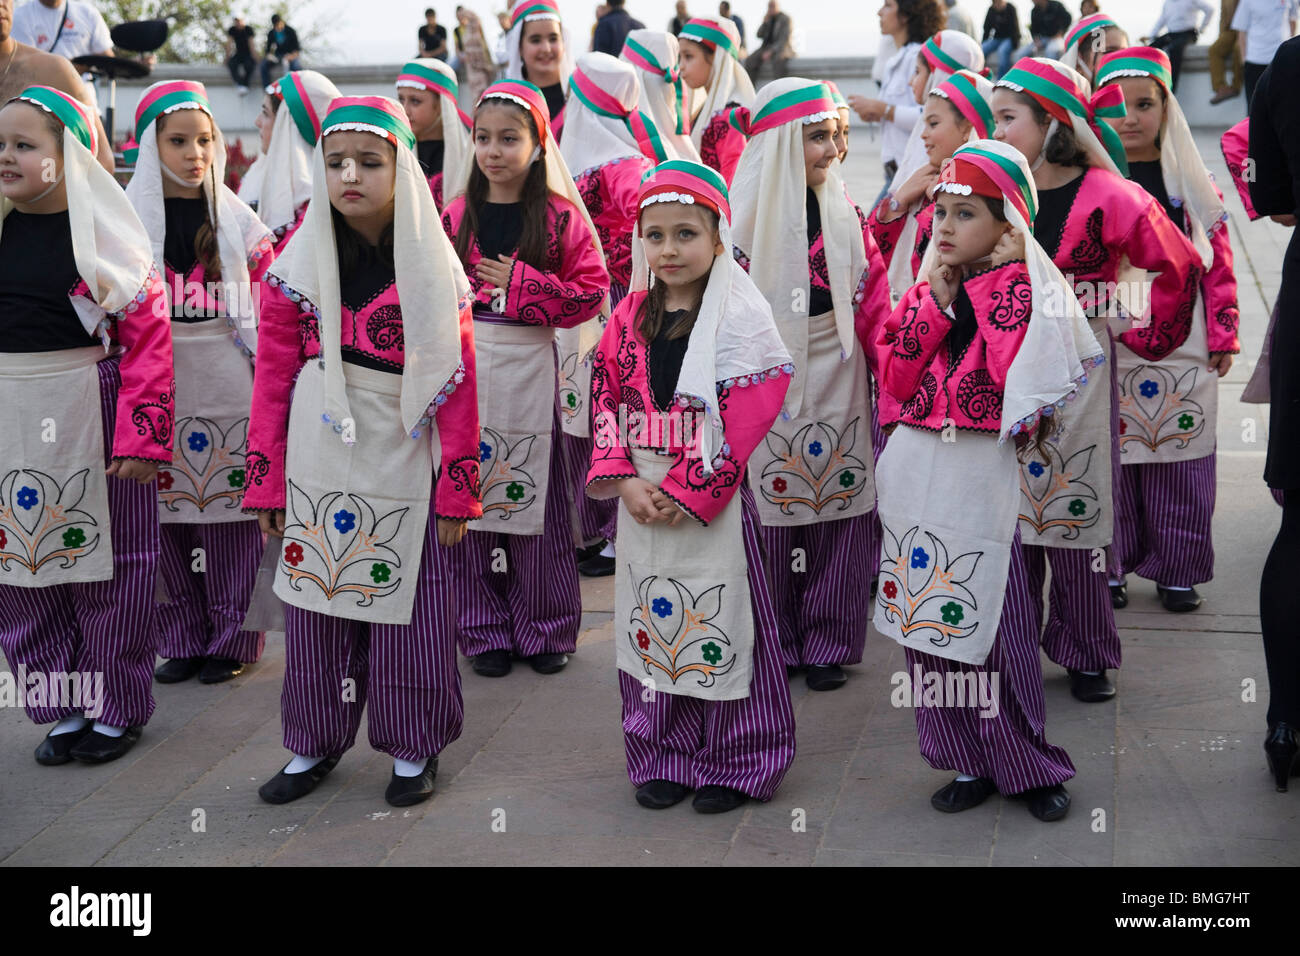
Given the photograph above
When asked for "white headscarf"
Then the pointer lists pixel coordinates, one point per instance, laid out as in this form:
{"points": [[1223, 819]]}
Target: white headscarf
{"points": [[431, 283], [661, 83], [728, 80], [592, 139], [457, 149], [771, 227], [286, 180]]}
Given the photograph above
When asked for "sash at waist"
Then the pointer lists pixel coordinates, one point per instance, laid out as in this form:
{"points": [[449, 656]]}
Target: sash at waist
{"points": [[45, 363]]}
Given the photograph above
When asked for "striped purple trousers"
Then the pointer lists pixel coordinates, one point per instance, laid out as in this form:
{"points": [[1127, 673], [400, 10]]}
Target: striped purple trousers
{"points": [[596, 519], [1010, 748], [406, 674], [534, 606], [105, 627], [208, 607], [875, 536], [822, 612], [1163, 517], [747, 744]]}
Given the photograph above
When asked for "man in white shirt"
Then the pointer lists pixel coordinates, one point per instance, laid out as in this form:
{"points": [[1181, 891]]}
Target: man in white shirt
{"points": [[1182, 18], [1261, 27], [66, 28]]}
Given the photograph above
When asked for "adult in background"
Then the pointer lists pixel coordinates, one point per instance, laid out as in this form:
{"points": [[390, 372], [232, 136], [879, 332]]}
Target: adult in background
{"points": [[959, 19], [1001, 36], [680, 19], [281, 48], [239, 54], [1275, 148], [1180, 18], [1220, 50], [432, 37], [1088, 7], [1261, 27], [24, 66], [724, 10], [612, 29], [1048, 22], [66, 28], [909, 23], [477, 67], [774, 33]]}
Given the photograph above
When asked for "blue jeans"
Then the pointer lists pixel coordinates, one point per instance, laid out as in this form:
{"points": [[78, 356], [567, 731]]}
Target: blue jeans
{"points": [[1002, 47], [1051, 50], [268, 66]]}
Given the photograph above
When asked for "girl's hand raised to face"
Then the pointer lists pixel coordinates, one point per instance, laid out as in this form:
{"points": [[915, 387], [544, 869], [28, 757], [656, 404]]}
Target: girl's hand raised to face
{"points": [[944, 282], [1009, 248], [638, 498], [495, 272]]}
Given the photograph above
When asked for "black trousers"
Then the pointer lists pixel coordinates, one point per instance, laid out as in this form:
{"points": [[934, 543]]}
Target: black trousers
{"points": [[241, 66], [1251, 72], [1174, 44], [1277, 588]]}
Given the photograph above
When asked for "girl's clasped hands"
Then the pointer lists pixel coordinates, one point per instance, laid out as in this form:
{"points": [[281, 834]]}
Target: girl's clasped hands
{"points": [[648, 503]]}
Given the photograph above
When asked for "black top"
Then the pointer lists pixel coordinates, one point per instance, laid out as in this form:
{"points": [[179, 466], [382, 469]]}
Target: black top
{"points": [[1053, 209], [430, 42], [963, 329], [183, 218], [500, 225], [1150, 177], [366, 281], [665, 360], [1003, 24], [242, 37], [819, 300], [1049, 20], [282, 42], [37, 271], [430, 153], [554, 99]]}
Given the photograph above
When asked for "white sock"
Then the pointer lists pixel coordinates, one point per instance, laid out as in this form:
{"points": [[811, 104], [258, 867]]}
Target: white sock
{"points": [[1091, 673], [608, 550], [408, 768], [302, 764], [108, 730], [965, 778], [1114, 581], [1170, 587], [69, 725]]}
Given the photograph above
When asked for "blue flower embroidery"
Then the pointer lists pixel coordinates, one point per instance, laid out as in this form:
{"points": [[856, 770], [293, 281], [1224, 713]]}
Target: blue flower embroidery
{"points": [[1036, 469], [344, 521], [26, 498], [919, 558], [815, 448], [484, 451], [198, 441], [1149, 389], [662, 606]]}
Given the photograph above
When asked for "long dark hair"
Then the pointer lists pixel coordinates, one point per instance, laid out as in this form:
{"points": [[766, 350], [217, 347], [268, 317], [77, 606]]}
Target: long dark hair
{"points": [[206, 248], [352, 247], [924, 18], [532, 239], [651, 318]]}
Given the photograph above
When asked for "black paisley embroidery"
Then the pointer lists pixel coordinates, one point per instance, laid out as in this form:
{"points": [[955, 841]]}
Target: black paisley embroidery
{"points": [[1227, 318], [384, 327], [309, 335], [155, 419], [919, 405], [463, 473], [256, 467], [908, 344], [1089, 254], [978, 397], [558, 228], [1011, 304], [589, 190]]}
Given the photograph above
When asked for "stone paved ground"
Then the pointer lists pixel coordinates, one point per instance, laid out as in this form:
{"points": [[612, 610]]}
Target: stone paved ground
{"points": [[1174, 762]]}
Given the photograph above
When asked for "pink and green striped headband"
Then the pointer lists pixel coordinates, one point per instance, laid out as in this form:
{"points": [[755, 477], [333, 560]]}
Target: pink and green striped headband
{"points": [[986, 173], [535, 10], [369, 114], [932, 50], [638, 123], [961, 91], [1048, 87], [1136, 61], [419, 76], [167, 96], [526, 95], [808, 101], [638, 55], [1087, 25], [296, 98], [680, 180], [710, 34], [68, 111]]}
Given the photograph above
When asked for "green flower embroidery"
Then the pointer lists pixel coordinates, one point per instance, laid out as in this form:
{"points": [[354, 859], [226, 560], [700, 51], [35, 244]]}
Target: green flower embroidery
{"points": [[847, 479], [572, 399], [380, 572], [514, 491], [1078, 507], [236, 479], [952, 613], [712, 652], [74, 538], [1185, 422]]}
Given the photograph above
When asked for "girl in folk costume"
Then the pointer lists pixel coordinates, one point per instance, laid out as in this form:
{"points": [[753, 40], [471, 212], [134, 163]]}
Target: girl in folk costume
{"points": [[663, 92], [842, 127], [538, 48], [1103, 231], [725, 83], [213, 251], [993, 340], [813, 473], [78, 541], [427, 90], [614, 145], [1164, 504], [1088, 39], [535, 266], [363, 457], [289, 123], [690, 374]]}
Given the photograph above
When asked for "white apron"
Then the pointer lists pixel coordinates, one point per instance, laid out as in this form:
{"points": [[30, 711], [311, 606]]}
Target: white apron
{"points": [[515, 372], [205, 483], [682, 611], [54, 525], [817, 466], [948, 514], [355, 515], [1066, 499], [1168, 409], [574, 382]]}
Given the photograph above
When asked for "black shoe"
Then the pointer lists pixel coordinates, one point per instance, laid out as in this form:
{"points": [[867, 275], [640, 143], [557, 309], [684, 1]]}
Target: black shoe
{"points": [[590, 551], [287, 787], [660, 794], [597, 566], [1090, 688], [492, 664], [1047, 803], [791, 670], [408, 791], [1118, 596], [717, 799], [101, 748], [55, 750], [825, 677], [963, 794], [217, 670], [177, 669], [548, 663], [1179, 601], [1280, 746], [874, 583]]}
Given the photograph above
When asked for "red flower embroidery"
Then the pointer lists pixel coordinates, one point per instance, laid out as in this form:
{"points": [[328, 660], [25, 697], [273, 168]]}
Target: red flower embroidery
{"points": [[643, 640], [4, 538], [891, 590], [1123, 426], [293, 554], [165, 480], [778, 485]]}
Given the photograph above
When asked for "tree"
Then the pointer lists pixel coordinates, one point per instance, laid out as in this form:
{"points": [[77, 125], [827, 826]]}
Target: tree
{"points": [[198, 27]]}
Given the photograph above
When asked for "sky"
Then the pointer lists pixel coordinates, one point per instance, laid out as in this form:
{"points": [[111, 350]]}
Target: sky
{"points": [[383, 31]]}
